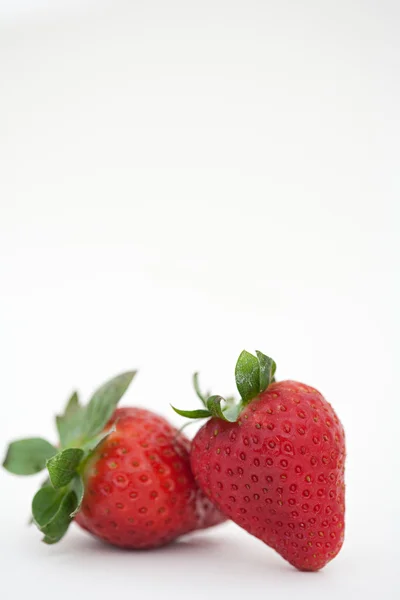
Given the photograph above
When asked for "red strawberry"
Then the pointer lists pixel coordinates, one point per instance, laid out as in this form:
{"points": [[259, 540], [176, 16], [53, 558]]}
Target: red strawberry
{"points": [[274, 464], [139, 488], [126, 479]]}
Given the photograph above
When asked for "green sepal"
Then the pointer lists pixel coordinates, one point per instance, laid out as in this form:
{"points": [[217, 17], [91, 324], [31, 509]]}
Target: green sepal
{"points": [[69, 424], [62, 467], [81, 430], [73, 405], [57, 527], [267, 370], [192, 414], [229, 412], [28, 456], [253, 376], [92, 444], [79, 489], [104, 402], [53, 509], [247, 375], [45, 505], [44, 483], [201, 396], [80, 424], [232, 411]]}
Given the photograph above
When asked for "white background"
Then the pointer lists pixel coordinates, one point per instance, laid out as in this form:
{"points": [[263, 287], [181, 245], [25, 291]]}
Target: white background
{"points": [[179, 181]]}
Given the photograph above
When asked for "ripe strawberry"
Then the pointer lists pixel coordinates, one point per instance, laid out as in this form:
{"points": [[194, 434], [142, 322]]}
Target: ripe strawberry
{"points": [[124, 474], [274, 463], [139, 488]]}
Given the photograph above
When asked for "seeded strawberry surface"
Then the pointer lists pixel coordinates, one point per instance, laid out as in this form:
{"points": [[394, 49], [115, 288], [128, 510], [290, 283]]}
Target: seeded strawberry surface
{"points": [[139, 488], [278, 472]]}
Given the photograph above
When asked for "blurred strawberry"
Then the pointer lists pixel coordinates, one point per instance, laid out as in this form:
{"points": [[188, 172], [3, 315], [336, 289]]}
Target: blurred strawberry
{"points": [[122, 474]]}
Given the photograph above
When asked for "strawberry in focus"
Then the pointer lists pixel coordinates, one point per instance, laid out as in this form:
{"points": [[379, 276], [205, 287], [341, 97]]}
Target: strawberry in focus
{"points": [[274, 463], [122, 474]]}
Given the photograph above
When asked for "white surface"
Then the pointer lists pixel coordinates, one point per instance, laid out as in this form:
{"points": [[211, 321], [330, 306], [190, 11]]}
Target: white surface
{"points": [[180, 181]]}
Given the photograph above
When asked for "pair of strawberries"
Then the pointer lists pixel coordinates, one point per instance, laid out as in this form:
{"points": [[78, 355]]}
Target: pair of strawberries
{"points": [[272, 462]]}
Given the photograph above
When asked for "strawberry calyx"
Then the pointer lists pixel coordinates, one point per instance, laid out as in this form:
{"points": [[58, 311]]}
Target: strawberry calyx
{"points": [[253, 375], [81, 429]]}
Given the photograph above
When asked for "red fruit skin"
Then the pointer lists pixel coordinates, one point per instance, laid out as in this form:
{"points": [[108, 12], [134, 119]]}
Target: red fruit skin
{"points": [[279, 472], [139, 488]]}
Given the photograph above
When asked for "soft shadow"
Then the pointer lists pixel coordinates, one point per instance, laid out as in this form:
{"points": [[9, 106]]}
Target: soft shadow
{"points": [[85, 548], [83, 545]]}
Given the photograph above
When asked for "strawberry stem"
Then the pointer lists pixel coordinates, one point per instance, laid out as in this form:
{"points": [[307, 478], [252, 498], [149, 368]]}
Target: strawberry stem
{"points": [[253, 376]]}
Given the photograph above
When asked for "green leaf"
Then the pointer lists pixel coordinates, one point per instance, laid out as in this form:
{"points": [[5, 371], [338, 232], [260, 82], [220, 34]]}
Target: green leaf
{"points": [[214, 406], [247, 373], [54, 509], [104, 402], [228, 413], [44, 483], [56, 528], [78, 488], [72, 405], [253, 376], [29, 456], [92, 444], [69, 425], [203, 397], [192, 414], [51, 510], [267, 370], [45, 505], [232, 412], [62, 467]]}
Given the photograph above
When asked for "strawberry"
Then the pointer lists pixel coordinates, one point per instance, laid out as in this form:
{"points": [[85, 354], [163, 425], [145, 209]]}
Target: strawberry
{"points": [[122, 474], [274, 463]]}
